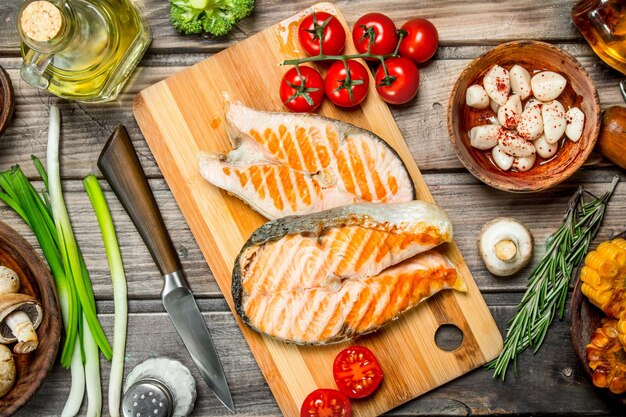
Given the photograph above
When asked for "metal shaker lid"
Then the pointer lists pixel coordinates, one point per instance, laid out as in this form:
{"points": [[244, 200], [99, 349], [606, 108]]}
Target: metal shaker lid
{"points": [[148, 398]]}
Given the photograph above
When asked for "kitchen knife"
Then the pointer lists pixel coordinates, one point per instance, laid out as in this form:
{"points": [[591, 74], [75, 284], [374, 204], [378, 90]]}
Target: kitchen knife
{"points": [[121, 168]]}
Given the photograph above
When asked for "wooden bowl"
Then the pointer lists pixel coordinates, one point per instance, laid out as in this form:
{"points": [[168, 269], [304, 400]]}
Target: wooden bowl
{"points": [[579, 92], [7, 100], [585, 318], [19, 255]]}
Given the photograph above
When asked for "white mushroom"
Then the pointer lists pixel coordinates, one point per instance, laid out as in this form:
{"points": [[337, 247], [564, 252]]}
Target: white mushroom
{"points": [[530, 126], [575, 119], [497, 84], [484, 136], [514, 145], [544, 149], [9, 281], [501, 159], [520, 81], [525, 164], [510, 113], [494, 106], [505, 246], [7, 370], [476, 96], [554, 123], [20, 315], [547, 85]]}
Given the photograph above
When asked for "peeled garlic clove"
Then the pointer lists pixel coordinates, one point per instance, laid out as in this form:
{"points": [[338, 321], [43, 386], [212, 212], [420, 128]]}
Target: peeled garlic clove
{"points": [[544, 149], [485, 136], [547, 85], [554, 123], [533, 102], [494, 106], [497, 84], [575, 119], [501, 159], [509, 114], [530, 126], [514, 145], [476, 96], [520, 81], [524, 164]]}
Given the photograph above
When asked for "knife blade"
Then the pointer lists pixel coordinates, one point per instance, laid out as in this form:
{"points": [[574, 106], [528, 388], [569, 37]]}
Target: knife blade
{"points": [[121, 168]]}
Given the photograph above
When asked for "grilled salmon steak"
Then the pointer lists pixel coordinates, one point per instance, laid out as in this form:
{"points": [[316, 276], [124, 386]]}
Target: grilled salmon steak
{"points": [[284, 163], [330, 276]]}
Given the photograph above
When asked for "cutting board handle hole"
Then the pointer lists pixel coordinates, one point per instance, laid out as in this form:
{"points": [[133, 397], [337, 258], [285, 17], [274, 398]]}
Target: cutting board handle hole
{"points": [[449, 337]]}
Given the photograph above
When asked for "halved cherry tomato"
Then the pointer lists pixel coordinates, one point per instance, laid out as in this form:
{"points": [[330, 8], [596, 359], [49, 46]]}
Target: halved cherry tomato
{"points": [[324, 26], [402, 83], [326, 403], [346, 89], [375, 29], [357, 372], [421, 41], [302, 92]]}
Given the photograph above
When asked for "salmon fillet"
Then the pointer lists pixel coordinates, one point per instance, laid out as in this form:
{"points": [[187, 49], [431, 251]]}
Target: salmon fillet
{"points": [[285, 163], [330, 276]]}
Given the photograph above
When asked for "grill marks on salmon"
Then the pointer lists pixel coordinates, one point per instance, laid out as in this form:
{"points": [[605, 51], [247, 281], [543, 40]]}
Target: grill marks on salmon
{"points": [[284, 164], [330, 276]]}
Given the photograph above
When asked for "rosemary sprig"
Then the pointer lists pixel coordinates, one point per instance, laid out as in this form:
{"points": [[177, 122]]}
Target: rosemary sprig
{"points": [[548, 285]]}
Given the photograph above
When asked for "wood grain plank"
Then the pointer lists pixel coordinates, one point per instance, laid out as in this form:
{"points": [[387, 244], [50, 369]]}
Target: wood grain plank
{"points": [[485, 22], [86, 127], [551, 380], [469, 204]]}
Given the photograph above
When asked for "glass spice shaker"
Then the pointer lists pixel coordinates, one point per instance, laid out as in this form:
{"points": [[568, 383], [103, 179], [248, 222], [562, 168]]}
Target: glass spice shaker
{"points": [[83, 50]]}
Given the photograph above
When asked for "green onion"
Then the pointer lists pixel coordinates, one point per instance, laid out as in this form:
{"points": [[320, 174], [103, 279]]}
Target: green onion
{"points": [[118, 279], [68, 247]]}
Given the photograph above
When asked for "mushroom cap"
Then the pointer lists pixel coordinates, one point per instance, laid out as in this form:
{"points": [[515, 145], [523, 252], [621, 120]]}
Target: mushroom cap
{"points": [[21, 302], [505, 246], [9, 281], [7, 370]]}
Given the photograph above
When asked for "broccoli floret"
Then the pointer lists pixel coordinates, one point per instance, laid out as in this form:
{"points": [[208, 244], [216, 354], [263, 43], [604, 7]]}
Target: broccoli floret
{"points": [[216, 17]]}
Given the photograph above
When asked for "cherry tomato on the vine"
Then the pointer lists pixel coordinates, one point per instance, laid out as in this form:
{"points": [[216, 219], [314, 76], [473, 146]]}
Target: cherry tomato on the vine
{"points": [[377, 30], [302, 92], [346, 89], [421, 41], [357, 372], [325, 27], [402, 83], [326, 403]]}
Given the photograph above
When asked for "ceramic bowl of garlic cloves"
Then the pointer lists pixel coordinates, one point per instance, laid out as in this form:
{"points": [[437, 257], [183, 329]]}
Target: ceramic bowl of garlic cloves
{"points": [[523, 116], [30, 321]]}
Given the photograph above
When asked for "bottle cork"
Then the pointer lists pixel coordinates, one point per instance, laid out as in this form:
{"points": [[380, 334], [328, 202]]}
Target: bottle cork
{"points": [[41, 21]]}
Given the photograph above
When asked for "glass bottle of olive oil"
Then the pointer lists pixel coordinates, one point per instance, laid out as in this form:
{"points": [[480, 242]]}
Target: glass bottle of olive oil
{"points": [[83, 50]]}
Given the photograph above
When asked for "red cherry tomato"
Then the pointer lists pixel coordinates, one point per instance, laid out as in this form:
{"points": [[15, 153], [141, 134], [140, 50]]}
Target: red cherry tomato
{"points": [[344, 90], [302, 92], [403, 81], [357, 372], [324, 26], [375, 29], [326, 403], [421, 41]]}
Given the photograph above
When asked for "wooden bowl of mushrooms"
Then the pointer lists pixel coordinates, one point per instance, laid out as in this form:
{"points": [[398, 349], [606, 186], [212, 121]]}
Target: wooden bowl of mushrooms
{"points": [[523, 116], [30, 323]]}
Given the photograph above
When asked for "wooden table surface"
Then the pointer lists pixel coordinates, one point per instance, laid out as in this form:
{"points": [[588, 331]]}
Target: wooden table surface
{"points": [[551, 381]]}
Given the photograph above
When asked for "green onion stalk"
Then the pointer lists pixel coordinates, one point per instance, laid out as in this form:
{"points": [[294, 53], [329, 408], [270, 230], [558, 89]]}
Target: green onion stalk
{"points": [[118, 278]]}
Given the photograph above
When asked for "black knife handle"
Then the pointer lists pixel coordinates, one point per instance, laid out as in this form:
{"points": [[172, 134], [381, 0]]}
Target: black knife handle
{"points": [[121, 168]]}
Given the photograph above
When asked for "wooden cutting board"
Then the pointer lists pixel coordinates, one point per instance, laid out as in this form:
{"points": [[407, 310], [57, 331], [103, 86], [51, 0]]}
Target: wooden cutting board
{"points": [[184, 114]]}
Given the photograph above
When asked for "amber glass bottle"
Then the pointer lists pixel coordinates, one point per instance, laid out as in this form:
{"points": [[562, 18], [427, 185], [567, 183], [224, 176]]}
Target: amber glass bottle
{"points": [[603, 24]]}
